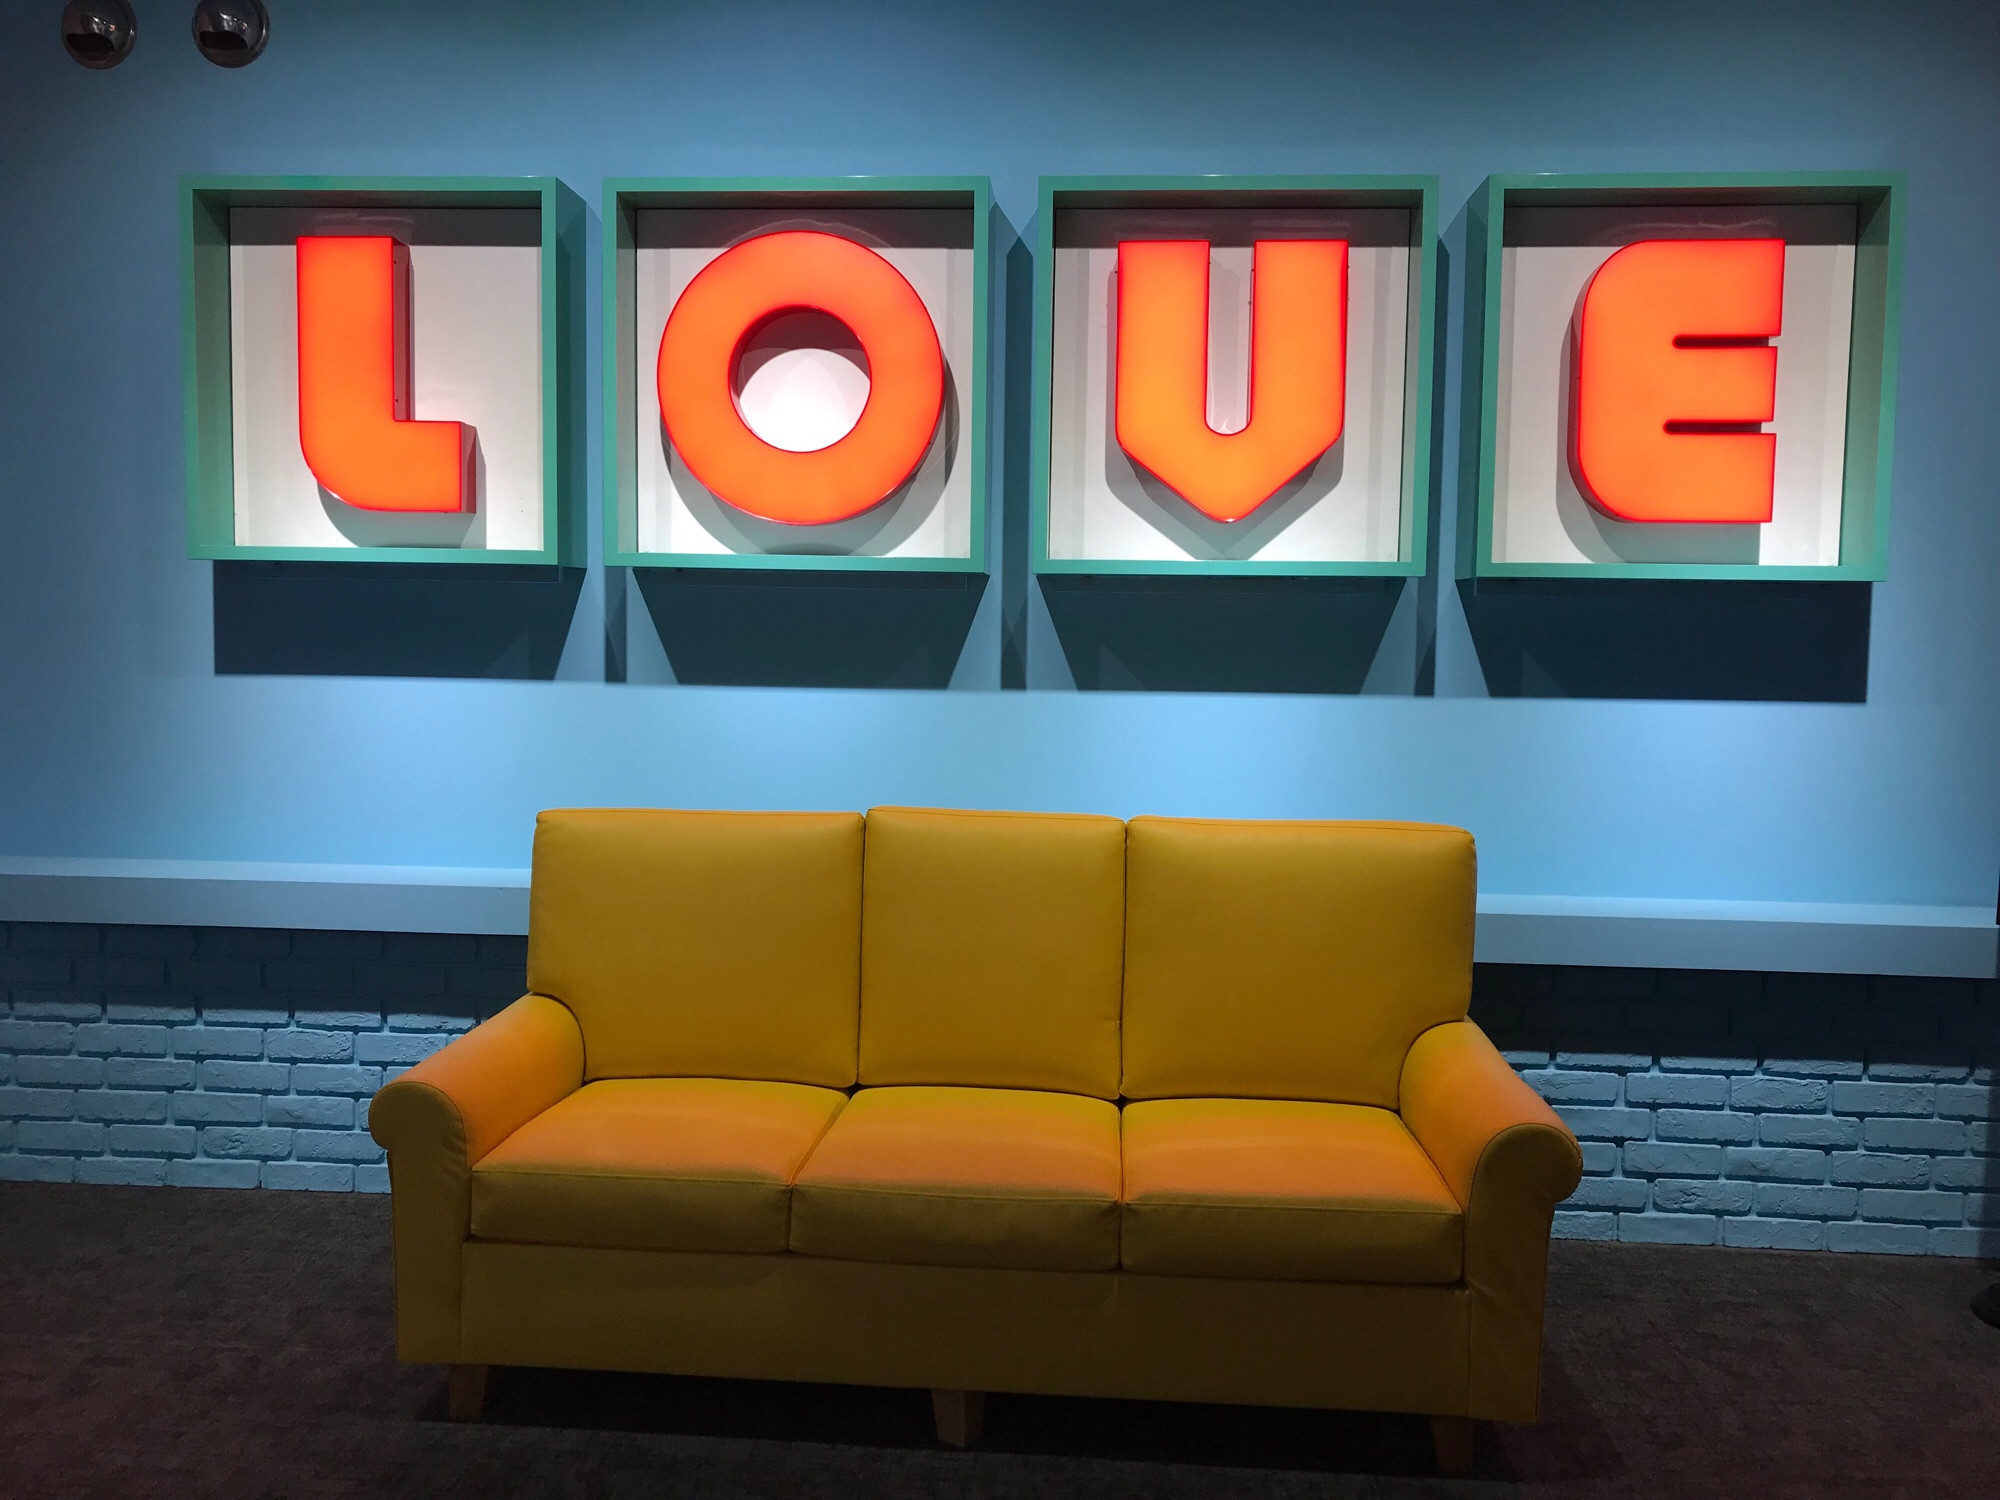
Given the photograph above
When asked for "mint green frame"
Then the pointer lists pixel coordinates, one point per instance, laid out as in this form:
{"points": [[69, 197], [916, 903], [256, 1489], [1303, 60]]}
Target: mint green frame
{"points": [[205, 206], [1871, 373], [623, 197], [1419, 195]]}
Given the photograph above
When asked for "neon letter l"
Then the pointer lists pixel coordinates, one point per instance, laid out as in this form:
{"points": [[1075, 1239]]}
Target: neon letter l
{"points": [[354, 423]]}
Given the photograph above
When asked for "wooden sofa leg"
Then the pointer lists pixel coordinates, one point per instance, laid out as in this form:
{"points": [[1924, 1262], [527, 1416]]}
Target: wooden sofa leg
{"points": [[960, 1415], [1452, 1438], [465, 1392]]}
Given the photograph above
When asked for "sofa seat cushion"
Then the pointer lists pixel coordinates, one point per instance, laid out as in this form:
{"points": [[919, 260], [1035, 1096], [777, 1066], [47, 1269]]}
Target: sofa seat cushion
{"points": [[1000, 1178], [655, 1164], [1274, 1189]]}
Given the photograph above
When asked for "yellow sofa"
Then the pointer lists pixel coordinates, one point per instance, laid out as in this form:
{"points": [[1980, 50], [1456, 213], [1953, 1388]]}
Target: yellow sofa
{"points": [[1176, 1109]]}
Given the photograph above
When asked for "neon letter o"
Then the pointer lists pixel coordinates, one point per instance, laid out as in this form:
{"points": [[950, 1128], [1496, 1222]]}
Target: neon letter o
{"points": [[745, 287]]}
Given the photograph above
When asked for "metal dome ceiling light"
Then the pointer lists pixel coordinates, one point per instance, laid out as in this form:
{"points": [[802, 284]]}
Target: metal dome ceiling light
{"points": [[99, 33], [231, 33]]}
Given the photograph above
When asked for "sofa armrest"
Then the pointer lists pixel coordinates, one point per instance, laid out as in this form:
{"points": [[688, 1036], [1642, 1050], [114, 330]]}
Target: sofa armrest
{"points": [[1508, 1160], [436, 1121], [1484, 1128]]}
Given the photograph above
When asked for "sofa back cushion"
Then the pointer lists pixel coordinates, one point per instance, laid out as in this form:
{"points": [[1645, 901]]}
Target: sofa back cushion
{"points": [[1290, 960], [990, 950], [702, 944]]}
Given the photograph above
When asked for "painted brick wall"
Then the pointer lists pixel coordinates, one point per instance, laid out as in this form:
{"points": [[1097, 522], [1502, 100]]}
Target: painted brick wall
{"points": [[1792, 1111], [1795, 1111], [207, 1057]]}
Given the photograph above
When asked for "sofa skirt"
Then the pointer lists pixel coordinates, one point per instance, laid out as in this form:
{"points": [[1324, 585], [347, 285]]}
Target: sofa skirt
{"points": [[1079, 1333]]}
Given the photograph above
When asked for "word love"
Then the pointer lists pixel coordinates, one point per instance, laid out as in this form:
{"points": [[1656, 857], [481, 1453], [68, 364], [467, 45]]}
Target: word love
{"points": [[1674, 378]]}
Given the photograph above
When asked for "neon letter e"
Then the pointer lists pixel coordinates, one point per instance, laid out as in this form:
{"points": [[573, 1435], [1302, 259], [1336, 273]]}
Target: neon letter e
{"points": [[1673, 378]]}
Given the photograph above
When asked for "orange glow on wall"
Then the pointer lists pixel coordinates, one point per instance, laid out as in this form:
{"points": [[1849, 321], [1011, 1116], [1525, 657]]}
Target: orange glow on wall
{"points": [[726, 303], [1298, 369], [354, 421], [1672, 381]]}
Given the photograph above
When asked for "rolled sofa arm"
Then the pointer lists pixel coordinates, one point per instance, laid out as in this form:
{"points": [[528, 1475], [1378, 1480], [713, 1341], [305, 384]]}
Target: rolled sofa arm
{"points": [[1508, 1160], [436, 1121]]}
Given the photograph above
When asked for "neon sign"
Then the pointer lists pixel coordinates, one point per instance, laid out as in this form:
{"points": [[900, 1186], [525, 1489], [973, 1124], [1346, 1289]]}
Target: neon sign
{"points": [[1298, 369], [1674, 378], [355, 427], [726, 303]]}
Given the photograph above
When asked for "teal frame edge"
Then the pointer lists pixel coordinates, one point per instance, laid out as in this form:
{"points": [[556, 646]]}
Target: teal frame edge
{"points": [[625, 195], [204, 205], [1419, 194], [1879, 198]]}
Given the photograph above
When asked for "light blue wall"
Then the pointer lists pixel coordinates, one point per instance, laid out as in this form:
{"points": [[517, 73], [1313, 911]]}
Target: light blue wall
{"points": [[119, 738]]}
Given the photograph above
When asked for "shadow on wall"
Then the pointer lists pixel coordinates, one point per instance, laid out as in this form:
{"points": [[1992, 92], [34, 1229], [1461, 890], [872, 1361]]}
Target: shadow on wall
{"points": [[880, 630], [1644, 638], [392, 620], [1221, 635], [1016, 443]]}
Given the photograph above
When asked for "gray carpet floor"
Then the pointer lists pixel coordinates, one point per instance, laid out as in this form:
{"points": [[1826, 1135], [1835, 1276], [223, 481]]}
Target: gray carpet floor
{"points": [[204, 1343]]}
